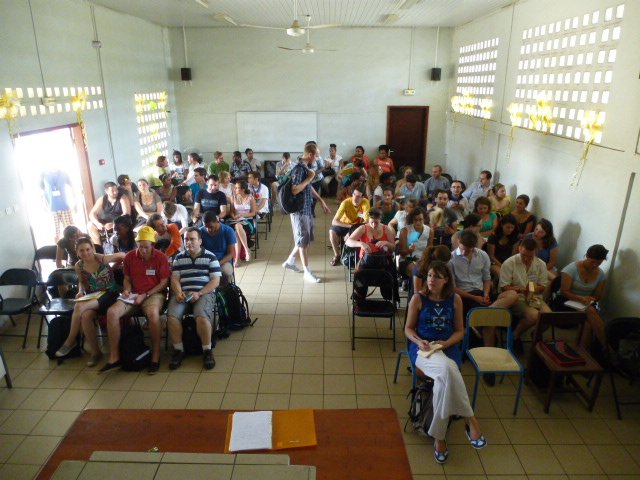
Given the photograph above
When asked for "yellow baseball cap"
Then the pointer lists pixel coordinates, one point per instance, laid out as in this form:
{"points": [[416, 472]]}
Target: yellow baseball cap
{"points": [[146, 233]]}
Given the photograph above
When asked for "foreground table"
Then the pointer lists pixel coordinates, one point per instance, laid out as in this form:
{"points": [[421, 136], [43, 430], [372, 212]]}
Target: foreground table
{"points": [[354, 444]]}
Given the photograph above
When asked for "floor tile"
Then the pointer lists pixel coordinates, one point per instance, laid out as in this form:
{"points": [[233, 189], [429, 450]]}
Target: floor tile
{"points": [[55, 423], [34, 450], [172, 400], [205, 400], [500, 460], [212, 382], [275, 383], [73, 400], [8, 445], [239, 401], [244, 383], [577, 459], [21, 422], [615, 460], [19, 472], [559, 431], [139, 399], [540, 459], [308, 365], [278, 365], [339, 384], [42, 399], [106, 399]]}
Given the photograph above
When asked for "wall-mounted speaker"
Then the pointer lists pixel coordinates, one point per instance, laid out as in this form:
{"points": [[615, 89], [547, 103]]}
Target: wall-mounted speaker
{"points": [[185, 74], [436, 74]]}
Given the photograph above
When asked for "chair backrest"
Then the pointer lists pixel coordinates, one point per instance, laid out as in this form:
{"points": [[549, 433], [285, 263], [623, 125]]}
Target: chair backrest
{"points": [[560, 320], [448, 177], [621, 327], [19, 276], [489, 317], [62, 276], [365, 278], [48, 252], [623, 339]]}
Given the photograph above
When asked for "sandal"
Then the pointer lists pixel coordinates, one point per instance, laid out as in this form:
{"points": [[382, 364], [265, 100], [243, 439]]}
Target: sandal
{"points": [[479, 442], [440, 457], [335, 260]]}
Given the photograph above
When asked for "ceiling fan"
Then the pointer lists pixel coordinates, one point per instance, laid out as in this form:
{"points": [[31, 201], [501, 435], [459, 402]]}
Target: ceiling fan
{"points": [[295, 30], [308, 48]]}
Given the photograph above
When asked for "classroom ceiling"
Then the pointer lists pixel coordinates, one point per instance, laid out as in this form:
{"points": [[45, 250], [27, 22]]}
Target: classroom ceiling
{"points": [[279, 13]]}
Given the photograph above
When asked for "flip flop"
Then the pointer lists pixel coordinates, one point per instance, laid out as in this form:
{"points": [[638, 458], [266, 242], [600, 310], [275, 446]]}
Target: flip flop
{"points": [[479, 442]]}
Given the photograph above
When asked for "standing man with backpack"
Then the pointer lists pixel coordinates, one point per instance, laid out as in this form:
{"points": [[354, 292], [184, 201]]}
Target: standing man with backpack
{"points": [[302, 220], [194, 278]]}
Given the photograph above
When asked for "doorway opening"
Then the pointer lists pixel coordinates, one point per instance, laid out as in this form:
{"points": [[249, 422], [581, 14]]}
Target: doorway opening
{"points": [[54, 172]]}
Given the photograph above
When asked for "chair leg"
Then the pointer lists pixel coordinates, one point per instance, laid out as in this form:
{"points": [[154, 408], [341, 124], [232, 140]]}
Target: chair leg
{"points": [[393, 326], [7, 377], [26, 330], [395, 375], [353, 331], [42, 320], [615, 394], [475, 390], [13, 322], [518, 395], [550, 387]]}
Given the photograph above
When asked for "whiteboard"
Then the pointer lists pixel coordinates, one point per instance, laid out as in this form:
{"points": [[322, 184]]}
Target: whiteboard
{"points": [[276, 132]]}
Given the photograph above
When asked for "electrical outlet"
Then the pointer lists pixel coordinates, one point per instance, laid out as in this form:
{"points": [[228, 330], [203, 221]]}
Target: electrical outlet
{"points": [[409, 92]]}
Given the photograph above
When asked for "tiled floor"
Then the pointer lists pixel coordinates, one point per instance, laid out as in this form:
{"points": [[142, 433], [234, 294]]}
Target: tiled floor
{"points": [[298, 354]]}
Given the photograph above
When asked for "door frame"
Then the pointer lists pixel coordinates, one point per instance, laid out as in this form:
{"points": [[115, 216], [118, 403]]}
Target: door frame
{"points": [[423, 153]]}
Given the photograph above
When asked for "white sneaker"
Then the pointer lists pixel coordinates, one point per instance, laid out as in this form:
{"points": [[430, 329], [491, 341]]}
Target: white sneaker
{"points": [[292, 267], [310, 277]]}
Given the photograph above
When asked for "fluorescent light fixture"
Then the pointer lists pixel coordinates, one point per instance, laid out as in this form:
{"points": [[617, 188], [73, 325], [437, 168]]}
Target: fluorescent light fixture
{"points": [[202, 3], [407, 4]]}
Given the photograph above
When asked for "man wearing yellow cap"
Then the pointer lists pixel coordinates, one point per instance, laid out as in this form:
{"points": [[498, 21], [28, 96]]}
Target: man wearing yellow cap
{"points": [[146, 276]]}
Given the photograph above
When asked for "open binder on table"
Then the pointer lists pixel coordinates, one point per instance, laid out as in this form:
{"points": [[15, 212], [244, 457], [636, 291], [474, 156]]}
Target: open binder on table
{"points": [[270, 430]]}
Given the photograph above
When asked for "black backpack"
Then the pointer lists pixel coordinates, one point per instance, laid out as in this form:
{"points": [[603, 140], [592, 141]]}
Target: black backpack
{"points": [[134, 353], [58, 332], [289, 202], [421, 409], [191, 343], [233, 309]]}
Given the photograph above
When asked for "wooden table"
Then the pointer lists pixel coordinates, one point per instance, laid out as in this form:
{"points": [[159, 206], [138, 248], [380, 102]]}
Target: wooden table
{"points": [[353, 444]]}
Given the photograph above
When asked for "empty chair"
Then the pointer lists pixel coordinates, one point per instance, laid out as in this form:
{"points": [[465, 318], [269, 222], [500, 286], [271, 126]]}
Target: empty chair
{"points": [[54, 306], [363, 305], [18, 277], [623, 353], [492, 359]]}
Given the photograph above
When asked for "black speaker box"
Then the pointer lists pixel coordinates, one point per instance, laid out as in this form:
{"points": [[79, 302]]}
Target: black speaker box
{"points": [[185, 74], [436, 73]]}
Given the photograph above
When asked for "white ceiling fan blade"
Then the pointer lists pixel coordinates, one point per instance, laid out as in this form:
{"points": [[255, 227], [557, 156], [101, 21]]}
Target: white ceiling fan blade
{"points": [[223, 17], [326, 25], [265, 27], [291, 49]]}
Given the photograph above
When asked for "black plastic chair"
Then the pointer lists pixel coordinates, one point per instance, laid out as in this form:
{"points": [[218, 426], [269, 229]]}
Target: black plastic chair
{"points": [[448, 177], [54, 306], [623, 353], [44, 262], [365, 281], [18, 277]]}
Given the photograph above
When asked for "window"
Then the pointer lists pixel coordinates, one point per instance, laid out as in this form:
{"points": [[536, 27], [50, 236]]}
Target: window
{"points": [[153, 132], [476, 77]]}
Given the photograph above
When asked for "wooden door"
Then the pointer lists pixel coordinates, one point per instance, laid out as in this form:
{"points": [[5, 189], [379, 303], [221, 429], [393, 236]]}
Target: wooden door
{"points": [[407, 136]]}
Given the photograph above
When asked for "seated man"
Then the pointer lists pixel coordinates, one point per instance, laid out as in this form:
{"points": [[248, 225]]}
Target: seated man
{"points": [[479, 189], [412, 189], [256, 165], [260, 192], [352, 211], [472, 271], [457, 202], [176, 214], [199, 183], [526, 275], [168, 239], [195, 276], [146, 276], [436, 182], [218, 165], [210, 199], [443, 220], [219, 239], [239, 168], [105, 210]]}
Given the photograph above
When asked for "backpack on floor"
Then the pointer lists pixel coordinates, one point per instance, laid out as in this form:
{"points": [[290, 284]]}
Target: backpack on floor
{"points": [[58, 332], [134, 353], [421, 409], [289, 202], [191, 342], [233, 309]]}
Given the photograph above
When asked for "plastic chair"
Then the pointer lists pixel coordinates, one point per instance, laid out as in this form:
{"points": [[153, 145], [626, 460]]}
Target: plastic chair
{"points": [[55, 306], [365, 306], [623, 353], [544, 374], [42, 269], [494, 360], [406, 351], [18, 277]]}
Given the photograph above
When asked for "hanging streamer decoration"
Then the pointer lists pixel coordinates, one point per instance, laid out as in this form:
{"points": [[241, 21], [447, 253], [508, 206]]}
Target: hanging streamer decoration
{"points": [[78, 104], [9, 111], [515, 115], [591, 123], [541, 114]]}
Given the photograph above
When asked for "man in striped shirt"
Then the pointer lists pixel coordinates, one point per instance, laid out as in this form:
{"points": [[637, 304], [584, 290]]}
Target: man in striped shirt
{"points": [[194, 278]]}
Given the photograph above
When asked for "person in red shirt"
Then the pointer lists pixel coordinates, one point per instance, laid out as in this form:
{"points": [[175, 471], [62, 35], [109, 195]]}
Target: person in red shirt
{"points": [[146, 277], [359, 155], [384, 161], [167, 234]]}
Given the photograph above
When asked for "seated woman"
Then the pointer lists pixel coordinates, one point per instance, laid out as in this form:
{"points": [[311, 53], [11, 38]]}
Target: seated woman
{"points": [[161, 168], [406, 171], [123, 240], [414, 240], [66, 256], [488, 219], [167, 191], [95, 275], [437, 252], [584, 281], [147, 203], [399, 220], [547, 250], [225, 185], [526, 219], [503, 244], [434, 320], [375, 241], [500, 201], [471, 221], [243, 213], [387, 205]]}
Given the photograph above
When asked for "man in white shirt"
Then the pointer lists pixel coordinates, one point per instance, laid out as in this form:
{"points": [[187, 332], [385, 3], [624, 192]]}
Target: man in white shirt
{"points": [[260, 192], [478, 189], [457, 202], [525, 274], [256, 165]]}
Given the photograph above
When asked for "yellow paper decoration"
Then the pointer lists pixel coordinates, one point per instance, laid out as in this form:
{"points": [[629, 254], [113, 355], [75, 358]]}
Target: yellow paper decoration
{"points": [[9, 111], [591, 123], [78, 104], [515, 115], [541, 114]]}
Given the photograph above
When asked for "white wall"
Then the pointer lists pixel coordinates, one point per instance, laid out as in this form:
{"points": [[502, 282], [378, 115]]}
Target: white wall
{"points": [[541, 166], [242, 70], [135, 58]]}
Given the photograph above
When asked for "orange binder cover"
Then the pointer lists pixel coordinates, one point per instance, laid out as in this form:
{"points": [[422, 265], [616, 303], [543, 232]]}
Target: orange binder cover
{"points": [[291, 429]]}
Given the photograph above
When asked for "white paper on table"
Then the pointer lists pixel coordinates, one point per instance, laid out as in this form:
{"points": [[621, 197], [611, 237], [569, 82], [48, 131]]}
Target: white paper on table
{"points": [[251, 431]]}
